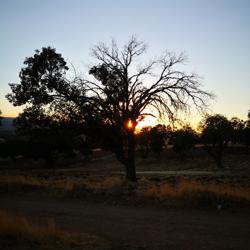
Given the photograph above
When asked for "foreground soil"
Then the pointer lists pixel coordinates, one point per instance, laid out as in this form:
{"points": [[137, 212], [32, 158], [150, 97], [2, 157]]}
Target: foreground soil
{"points": [[131, 227]]}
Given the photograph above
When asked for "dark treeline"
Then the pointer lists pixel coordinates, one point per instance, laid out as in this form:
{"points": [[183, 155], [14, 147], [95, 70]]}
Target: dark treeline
{"points": [[215, 134], [39, 137]]}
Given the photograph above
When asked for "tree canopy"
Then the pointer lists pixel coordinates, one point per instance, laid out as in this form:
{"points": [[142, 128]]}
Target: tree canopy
{"points": [[42, 80], [127, 89]]}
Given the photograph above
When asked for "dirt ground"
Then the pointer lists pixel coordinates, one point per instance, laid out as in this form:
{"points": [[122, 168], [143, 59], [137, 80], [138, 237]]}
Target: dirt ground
{"points": [[131, 227]]}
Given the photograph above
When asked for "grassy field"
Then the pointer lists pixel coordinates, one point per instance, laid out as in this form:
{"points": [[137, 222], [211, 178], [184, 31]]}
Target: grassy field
{"points": [[163, 179]]}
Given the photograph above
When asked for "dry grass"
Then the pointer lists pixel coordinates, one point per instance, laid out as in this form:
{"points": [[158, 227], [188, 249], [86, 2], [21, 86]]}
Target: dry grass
{"points": [[19, 226], [17, 232], [63, 184], [104, 183], [191, 189], [186, 189]]}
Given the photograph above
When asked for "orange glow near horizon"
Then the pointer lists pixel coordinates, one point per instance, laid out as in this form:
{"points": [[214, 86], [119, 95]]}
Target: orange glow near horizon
{"points": [[9, 115]]}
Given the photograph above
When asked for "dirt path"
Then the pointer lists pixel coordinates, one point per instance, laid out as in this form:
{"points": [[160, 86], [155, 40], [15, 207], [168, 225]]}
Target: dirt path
{"points": [[140, 228]]}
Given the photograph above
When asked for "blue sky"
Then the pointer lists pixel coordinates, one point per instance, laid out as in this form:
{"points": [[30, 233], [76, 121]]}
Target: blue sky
{"points": [[214, 34]]}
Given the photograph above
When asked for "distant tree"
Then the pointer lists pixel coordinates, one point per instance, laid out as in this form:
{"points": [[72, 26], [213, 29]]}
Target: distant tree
{"points": [[0, 118], [143, 141], [246, 138], [32, 118], [158, 134], [216, 133], [153, 139], [50, 144], [246, 133], [183, 140], [237, 130], [117, 97], [241, 131]]}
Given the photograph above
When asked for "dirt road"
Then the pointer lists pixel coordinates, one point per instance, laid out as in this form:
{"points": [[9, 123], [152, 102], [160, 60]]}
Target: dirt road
{"points": [[129, 227]]}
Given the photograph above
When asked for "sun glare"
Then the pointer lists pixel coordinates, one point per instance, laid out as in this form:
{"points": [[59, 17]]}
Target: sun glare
{"points": [[129, 124]]}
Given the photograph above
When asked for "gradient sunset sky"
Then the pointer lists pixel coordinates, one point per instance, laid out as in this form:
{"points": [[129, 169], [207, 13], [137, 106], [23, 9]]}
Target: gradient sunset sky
{"points": [[215, 35]]}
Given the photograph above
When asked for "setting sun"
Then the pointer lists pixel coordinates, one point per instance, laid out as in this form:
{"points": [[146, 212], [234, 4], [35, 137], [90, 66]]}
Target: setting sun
{"points": [[129, 124], [146, 122]]}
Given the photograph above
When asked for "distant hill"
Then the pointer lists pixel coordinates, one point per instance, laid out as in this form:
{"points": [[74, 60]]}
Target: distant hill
{"points": [[7, 124]]}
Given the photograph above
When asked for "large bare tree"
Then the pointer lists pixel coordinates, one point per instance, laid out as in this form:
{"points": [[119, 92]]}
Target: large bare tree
{"points": [[123, 90]]}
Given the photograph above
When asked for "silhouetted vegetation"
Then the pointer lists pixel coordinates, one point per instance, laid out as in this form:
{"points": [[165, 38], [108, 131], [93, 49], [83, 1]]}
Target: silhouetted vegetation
{"points": [[123, 96], [183, 140], [153, 139], [158, 135], [66, 115], [114, 102], [237, 132], [143, 141], [13, 148], [216, 134]]}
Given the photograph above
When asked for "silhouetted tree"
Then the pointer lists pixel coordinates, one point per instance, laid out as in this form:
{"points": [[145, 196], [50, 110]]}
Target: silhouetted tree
{"points": [[54, 104], [118, 95], [42, 80], [153, 138], [0, 117], [158, 135], [237, 130], [123, 92], [143, 140], [246, 133], [46, 91], [50, 144], [216, 133], [32, 118], [183, 140], [241, 131]]}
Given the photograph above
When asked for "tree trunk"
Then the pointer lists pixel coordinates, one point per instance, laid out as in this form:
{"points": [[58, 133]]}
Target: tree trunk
{"points": [[130, 166]]}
